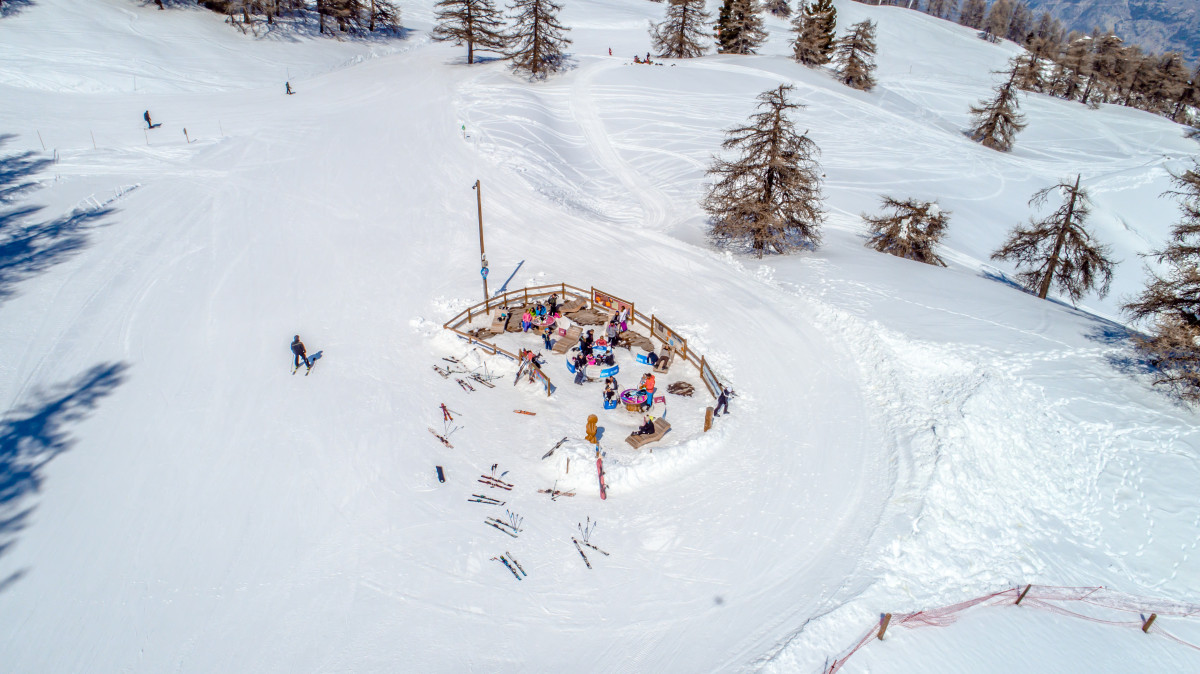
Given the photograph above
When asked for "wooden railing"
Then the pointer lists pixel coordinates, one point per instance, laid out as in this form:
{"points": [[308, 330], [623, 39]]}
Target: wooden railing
{"points": [[566, 292]]}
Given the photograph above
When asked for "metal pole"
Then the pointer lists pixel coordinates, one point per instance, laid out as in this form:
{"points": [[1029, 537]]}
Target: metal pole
{"points": [[483, 266]]}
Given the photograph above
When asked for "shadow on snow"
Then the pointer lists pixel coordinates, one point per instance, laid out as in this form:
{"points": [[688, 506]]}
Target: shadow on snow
{"points": [[32, 434], [29, 244]]}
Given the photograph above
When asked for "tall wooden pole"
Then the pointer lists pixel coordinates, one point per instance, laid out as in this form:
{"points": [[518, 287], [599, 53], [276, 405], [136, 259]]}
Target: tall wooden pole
{"points": [[482, 255]]}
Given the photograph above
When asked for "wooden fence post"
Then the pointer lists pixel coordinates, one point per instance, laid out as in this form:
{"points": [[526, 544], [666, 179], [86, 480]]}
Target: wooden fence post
{"points": [[887, 618], [1149, 622], [1023, 593], [708, 417]]}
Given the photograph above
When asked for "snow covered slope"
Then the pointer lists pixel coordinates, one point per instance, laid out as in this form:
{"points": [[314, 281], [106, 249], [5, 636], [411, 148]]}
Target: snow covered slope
{"points": [[173, 498]]}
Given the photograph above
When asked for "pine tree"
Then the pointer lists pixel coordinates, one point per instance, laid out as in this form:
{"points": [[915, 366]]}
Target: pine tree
{"points": [[779, 8], [1027, 72], [1071, 68], [475, 23], [740, 28], [1189, 95], [770, 197], [537, 38], [1057, 250], [855, 56], [998, 121], [972, 13], [911, 231], [998, 18], [1021, 25], [815, 27], [939, 8], [681, 34], [1172, 299]]}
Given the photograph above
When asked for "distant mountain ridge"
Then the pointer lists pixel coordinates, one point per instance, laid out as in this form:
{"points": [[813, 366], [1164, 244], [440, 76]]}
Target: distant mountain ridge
{"points": [[1156, 25]]}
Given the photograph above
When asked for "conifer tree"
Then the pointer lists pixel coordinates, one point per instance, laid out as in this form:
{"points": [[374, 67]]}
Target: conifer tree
{"points": [[940, 8], [1189, 95], [1172, 299], [1071, 69], [475, 23], [779, 8], [537, 38], [1027, 72], [815, 27], [770, 196], [998, 18], [1057, 250], [911, 230], [972, 13], [855, 56], [739, 27], [998, 121], [1021, 25], [681, 34]]}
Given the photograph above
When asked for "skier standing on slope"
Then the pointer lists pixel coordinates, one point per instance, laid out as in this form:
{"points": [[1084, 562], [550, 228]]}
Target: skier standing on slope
{"points": [[146, 116], [723, 401], [298, 350]]}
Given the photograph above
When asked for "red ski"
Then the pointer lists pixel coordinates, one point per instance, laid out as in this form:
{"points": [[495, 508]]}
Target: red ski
{"points": [[600, 472], [532, 414]]}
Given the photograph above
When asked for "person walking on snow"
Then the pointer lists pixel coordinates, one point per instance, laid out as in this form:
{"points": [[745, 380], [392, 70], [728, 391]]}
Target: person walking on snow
{"points": [[298, 350], [146, 116], [723, 401]]}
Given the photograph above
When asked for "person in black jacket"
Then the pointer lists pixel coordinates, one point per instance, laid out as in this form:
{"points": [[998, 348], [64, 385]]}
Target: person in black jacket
{"points": [[298, 350]]}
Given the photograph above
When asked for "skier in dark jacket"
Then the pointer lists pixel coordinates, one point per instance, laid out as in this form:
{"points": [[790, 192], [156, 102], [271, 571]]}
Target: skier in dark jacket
{"points": [[723, 401], [146, 116], [298, 350]]}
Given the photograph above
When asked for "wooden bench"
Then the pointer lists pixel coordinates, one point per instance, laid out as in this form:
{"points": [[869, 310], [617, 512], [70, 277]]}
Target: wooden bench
{"points": [[565, 342], [660, 429]]}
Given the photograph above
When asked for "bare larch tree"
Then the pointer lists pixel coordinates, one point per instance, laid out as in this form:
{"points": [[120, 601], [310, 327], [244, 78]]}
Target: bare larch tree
{"points": [[537, 40], [740, 27], [911, 230], [681, 35], [770, 196], [855, 56], [998, 121], [815, 27], [475, 23], [1172, 299], [1057, 250]]}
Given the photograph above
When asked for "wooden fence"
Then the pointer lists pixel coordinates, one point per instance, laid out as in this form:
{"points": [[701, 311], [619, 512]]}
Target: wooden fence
{"points": [[593, 297]]}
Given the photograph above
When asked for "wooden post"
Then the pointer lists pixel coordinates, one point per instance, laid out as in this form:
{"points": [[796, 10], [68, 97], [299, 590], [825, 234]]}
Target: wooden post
{"points": [[708, 417], [1149, 622], [883, 625], [1023, 593], [93, 139], [482, 253], [185, 136], [568, 465]]}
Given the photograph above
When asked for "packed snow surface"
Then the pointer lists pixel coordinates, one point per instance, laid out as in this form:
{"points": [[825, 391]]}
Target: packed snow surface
{"points": [[174, 498]]}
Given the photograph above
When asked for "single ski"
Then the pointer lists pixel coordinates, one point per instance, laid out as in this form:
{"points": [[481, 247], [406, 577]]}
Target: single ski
{"points": [[532, 414], [596, 549], [555, 493], [441, 437], [465, 386], [585, 559], [445, 373], [547, 454], [514, 561], [311, 365], [451, 359], [514, 571], [441, 475], [600, 473], [500, 528]]}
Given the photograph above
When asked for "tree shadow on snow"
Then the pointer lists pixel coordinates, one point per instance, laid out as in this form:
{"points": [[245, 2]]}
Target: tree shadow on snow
{"points": [[29, 244], [32, 434], [14, 7]]}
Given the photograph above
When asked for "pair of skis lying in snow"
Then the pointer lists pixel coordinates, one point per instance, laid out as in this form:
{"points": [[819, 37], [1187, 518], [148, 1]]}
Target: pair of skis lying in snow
{"points": [[512, 562]]}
